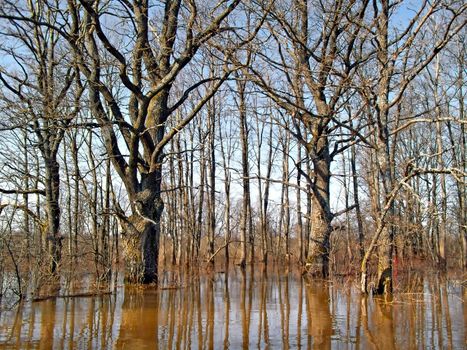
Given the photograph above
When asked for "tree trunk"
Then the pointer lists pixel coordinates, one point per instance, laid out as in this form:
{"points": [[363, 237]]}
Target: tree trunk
{"points": [[264, 223], [357, 202], [185, 221], [52, 194], [299, 210], [68, 204], [142, 231], [227, 183], [386, 242], [309, 209], [92, 200], [440, 160], [26, 221], [199, 226], [105, 229], [172, 208], [227, 216], [76, 197], [212, 179], [346, 185], [245, 227], [285, 203], [385, 248], [461, 187], [321, 217]]}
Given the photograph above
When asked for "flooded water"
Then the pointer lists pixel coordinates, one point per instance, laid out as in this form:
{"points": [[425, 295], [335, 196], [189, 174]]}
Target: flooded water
{"points": [[238, 310]]}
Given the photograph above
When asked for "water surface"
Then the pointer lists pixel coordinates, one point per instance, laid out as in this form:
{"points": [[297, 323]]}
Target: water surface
{"points": [[236, 310]]}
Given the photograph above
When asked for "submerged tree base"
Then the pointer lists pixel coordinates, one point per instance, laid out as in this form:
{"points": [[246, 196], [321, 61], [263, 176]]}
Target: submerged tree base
{"points": [[141, 250], [384, 282]]}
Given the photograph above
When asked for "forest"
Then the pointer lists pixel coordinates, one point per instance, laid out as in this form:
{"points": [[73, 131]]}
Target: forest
{"points": [[145, 136]]}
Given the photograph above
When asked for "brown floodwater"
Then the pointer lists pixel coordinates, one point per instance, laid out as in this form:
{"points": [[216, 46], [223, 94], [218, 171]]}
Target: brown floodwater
{"points": [[238, 310]]}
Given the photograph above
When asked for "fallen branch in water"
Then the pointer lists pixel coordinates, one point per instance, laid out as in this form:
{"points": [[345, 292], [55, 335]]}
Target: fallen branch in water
{"points": [[77, 295], [171, 287]]}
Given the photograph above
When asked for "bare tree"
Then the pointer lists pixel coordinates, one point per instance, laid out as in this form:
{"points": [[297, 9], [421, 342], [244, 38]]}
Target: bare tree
{"points": [[246, 228], [395, 71], [39, 86], [319, 46]]}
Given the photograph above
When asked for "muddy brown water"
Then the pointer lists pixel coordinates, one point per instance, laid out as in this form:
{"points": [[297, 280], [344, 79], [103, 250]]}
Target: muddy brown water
{"points": [[252, 310]]}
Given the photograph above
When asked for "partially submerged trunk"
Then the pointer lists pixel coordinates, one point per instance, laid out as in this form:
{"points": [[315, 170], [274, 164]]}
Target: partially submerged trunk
{"points": [[141, 232], [199, 218], [227, 183], [319, 248], [384, 161], [385, 252], [265, 203], [299, 212], [321, 217], [245, 224], [212, 180], [386, 242], [52, 194], [285, 202], [358, 212], [141, 249]]}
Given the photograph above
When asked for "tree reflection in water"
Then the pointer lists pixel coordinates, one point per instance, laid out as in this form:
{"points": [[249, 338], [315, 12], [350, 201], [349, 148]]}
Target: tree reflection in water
{"points": [[256, 308]]}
